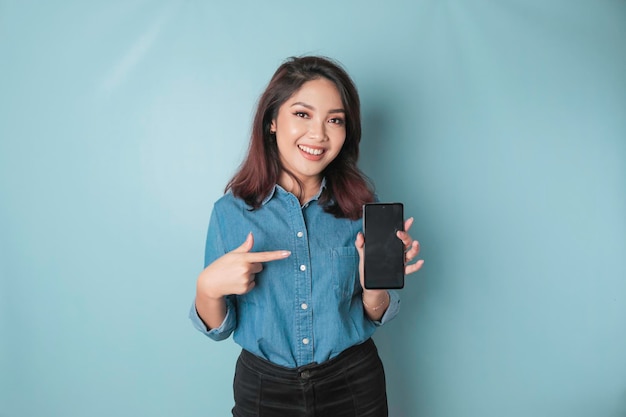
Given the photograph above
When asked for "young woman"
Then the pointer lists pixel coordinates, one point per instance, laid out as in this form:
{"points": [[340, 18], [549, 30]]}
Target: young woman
{"points": [[284, 256]]}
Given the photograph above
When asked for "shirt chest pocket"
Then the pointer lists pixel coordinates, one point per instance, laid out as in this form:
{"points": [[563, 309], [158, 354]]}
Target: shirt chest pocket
{"points": [[345, 270]]}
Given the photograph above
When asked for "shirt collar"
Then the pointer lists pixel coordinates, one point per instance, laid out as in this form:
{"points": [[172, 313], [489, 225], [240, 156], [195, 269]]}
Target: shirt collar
{"points": [[273, 192]]}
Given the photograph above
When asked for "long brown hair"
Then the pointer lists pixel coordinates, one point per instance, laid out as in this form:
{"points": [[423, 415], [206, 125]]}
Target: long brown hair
{"points": [[347, 188]]}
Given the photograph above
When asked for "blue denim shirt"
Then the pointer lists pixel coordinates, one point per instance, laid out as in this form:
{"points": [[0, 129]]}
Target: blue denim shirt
{"points": [[305, 308]]}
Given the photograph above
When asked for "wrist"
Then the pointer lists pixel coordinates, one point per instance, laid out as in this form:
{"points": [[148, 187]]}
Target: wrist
{"points": [[206, 288], [208, 294], [376, 300], [372, 296]]}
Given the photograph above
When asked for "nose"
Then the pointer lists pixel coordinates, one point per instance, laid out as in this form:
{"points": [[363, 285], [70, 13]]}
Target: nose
{"points": [[317, 130]]}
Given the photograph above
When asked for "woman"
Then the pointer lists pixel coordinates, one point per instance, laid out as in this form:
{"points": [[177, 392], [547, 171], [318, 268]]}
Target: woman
{"points": [[284, 253]]}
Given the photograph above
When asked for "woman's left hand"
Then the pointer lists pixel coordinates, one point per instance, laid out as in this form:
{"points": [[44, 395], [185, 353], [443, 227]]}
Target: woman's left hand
{"points": [[411, 250]]}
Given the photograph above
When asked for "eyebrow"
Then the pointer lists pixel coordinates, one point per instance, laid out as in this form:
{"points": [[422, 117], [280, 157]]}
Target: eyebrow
{"points": [[308, 106]]}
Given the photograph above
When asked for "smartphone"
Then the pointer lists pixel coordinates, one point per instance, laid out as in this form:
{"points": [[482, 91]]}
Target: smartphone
{"points": [[384, 251]]}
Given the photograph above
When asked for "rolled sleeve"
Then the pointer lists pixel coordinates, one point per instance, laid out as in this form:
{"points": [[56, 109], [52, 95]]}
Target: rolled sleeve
{"points": [[224, 330], [213, 250], [393, 309]]}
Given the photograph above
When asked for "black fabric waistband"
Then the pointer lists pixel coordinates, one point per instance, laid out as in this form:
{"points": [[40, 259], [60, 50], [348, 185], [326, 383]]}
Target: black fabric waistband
{"points": [[349, 357]]}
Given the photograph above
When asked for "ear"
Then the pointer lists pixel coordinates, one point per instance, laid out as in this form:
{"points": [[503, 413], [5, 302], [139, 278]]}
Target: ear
{"points": [[273, 126]]}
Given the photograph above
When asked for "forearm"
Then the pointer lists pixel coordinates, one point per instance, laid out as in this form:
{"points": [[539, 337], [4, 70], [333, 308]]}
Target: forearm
{"points": [[375, 303], [212, 311]]}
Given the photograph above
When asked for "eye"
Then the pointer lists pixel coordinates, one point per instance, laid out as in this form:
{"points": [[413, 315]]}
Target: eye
{"points": [[301, 114], [337, 120]]}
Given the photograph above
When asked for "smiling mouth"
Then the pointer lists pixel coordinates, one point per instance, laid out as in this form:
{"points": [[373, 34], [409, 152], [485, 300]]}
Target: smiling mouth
{"points": [[311, 151]]}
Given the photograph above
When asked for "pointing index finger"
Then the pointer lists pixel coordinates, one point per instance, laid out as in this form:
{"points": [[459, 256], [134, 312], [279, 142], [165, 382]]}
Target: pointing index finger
{"points": [[267, 256]]}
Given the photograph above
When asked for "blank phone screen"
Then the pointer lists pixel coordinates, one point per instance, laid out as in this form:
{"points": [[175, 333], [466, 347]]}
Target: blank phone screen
{"points": [[384, 252]]}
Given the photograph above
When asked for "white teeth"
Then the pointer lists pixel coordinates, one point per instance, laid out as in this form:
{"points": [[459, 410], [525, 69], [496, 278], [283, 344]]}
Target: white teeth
{"points": [[311, 150]]}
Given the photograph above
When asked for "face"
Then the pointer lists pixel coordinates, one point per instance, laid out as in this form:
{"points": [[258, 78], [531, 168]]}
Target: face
{"points": [[310, 129]]}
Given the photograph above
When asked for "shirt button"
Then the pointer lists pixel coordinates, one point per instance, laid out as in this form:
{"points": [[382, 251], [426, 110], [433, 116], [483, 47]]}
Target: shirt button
{"points": [[302, 268], [299, 234], [304, 306], [305, 341]]}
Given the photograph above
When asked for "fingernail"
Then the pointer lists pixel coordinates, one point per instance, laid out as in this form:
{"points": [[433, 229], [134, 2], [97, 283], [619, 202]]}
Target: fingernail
{"points": [[286, 253]]}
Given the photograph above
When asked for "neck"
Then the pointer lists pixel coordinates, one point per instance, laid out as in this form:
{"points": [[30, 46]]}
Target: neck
{"points": [[310, 186]]}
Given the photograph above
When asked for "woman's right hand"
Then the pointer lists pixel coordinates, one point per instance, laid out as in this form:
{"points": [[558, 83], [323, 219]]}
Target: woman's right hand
{"points": [[234, 272]]}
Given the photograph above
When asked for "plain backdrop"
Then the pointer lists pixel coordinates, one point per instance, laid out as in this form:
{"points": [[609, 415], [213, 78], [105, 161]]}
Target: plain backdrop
{"points": [[501, 125]]}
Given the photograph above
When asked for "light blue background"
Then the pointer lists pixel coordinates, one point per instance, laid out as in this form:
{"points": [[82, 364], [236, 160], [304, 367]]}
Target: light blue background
{"points": [[500, 124]]}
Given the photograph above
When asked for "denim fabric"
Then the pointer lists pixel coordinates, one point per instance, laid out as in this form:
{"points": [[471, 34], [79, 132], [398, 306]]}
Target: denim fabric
{"points": [[305, 308], [350, 385]]}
